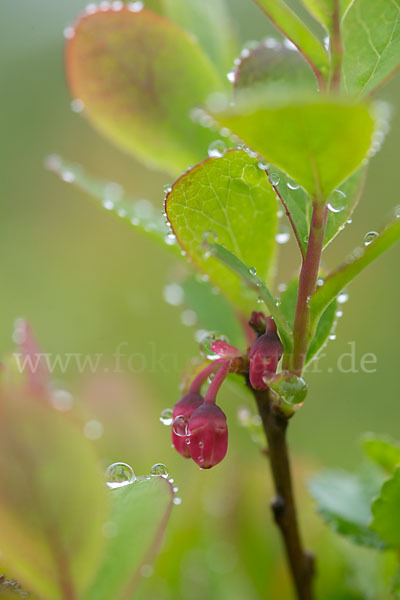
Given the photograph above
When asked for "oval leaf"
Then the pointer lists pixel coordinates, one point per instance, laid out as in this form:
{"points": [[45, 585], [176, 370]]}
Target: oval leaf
{"points": [[385, 510], [138, 76], [231, 198], [139, 515], [53, 501], [318, 142]]}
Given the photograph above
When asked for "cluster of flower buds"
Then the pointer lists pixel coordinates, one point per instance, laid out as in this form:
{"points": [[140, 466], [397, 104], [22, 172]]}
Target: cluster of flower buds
{"points": [[199, 428]]}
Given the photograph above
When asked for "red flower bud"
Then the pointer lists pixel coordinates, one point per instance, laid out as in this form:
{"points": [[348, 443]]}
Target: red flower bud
{"points": [[265, 354], [208, 435], [181, 414]]}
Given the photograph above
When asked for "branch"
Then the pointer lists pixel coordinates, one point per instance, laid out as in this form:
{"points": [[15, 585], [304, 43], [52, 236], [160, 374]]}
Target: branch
{"points": [[301, 563]]}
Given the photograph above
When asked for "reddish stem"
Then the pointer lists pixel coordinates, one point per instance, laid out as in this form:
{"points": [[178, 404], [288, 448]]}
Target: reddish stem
{"points": [[336, 48], [216, 383], [198, 381], [307, 284]]}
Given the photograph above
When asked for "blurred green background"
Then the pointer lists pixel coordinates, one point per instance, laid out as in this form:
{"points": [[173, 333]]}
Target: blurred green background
{"points": [[87, 283]]}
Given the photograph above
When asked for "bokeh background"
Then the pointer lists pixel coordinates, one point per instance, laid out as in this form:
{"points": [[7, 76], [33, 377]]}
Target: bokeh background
{"points": [[88, 282]]}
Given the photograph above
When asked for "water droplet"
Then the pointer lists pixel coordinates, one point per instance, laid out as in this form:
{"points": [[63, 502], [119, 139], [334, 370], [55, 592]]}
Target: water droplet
{"points": [[69, 33], [292, 185], [339, 313], [206, 342], [337, 201], [135, 6], [177, 501], [290, 388], [170, 239], [231, 75], [77, 105], [119, 474], [175, 489], [173, 294], [117, 5], [180, 425], [397, 212], [283, 236], [61, 400], [370, 237], [282, 287], [217, 149], [108, 204], [188, 318], [251, 174], [274, 179], [93, 429], [159, 470], [166, 416], [104, 6], [67, 176], [252, 271], [349, 221], [167, 189], [263, 166], [343, 297], [305, 239], [332, 337], [210, 237]]}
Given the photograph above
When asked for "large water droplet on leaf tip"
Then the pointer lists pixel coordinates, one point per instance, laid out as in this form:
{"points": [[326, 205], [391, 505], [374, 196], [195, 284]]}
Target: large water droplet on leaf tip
{"points": [[119, 474]]}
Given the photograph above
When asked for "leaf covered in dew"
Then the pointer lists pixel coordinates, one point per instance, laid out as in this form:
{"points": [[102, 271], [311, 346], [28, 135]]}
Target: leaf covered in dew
{"points": [[50, 486], [138, 76], [371, 39], [134, 532], [273, 62], [317, 140], [228, 199]]}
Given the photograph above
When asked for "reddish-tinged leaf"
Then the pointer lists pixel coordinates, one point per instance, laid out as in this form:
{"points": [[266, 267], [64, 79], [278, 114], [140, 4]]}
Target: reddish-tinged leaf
{"points": [[138, 76]]}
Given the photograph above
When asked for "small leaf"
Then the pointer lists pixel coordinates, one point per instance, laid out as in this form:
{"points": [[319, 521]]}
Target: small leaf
{"points": [[230, 199], [249, 275], [344, 501], [318, 142], [213, 311], [360, 259], [273, 62], [386, 515], [325, 326], [139, 214], [371, 39], [53, 500], [129, 70], [288, 23], [139, 516], [382, 450]]}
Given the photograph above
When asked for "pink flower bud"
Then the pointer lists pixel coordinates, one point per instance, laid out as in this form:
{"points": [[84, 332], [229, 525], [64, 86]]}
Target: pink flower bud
{"points": [[208, 435], [265, 354], [225, 350], [181, 414]]}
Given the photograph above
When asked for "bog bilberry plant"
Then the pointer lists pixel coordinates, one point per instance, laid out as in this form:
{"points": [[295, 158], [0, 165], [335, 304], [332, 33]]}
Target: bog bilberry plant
{"points": [[290, 133]]}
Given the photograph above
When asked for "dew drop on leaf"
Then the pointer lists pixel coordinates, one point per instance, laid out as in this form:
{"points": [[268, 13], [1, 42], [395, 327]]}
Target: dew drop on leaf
{"points": [[166, 416], [274, 179], [159, 470], [217, 149], [370, 237], [337, 201], [292, 185], [343, 297], [290, 388], [206, 342], [119, 474]]}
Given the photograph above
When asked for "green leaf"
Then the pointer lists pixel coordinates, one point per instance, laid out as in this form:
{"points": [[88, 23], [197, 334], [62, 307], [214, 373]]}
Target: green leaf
{"points": [[139, 214], [386, 515], [318, 141], [325, 326], [232, 198], [371, 39], [344, 501], [357, 262], [129, 70], [288, 23], [212, 309], [53, 500], [139, 515], [323, 10], [272, 62], [297, 203], [382, 450], [248, 274], [210, 23]]}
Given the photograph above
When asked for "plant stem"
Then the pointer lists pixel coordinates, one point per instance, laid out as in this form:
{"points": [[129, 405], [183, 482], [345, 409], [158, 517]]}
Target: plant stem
{"points": [[307, 284], [301, 563], [336, 49]]}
